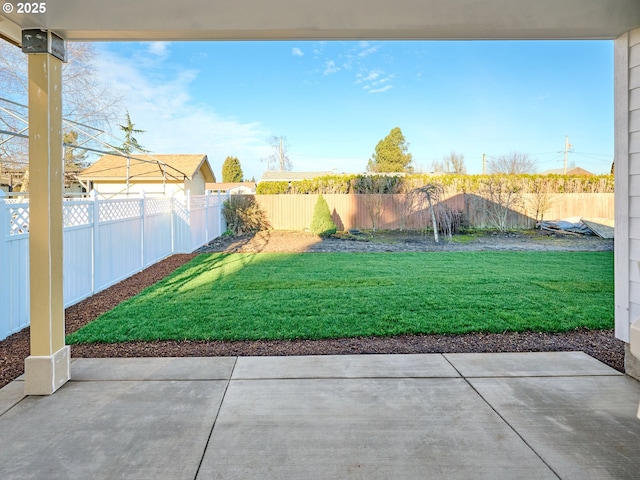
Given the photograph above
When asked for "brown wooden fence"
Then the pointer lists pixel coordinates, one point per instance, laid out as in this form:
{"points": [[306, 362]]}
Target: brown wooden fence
{"points": [[393, 212]]}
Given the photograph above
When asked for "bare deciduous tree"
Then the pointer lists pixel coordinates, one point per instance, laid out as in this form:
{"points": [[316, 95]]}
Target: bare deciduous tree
{"points": [[279, 159], [376, 187], [540, 197], [512, 164], [501, 195], [85, 99], [443, 219], [452, 163], [406, 205]]}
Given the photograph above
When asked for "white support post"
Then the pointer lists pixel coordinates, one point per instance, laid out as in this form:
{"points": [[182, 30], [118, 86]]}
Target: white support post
{"points": [[621, 100], [48, 366]]}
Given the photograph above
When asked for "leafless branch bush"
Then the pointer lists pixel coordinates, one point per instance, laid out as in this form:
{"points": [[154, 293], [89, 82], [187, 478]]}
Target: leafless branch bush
{"points": [[501, 195]]}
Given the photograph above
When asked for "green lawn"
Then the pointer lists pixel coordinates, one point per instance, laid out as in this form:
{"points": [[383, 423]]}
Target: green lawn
{"points": [[286, 296]]}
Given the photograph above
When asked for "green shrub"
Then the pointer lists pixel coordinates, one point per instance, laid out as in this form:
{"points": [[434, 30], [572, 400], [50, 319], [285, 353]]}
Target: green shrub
{"points": [[272, 188], [471, 184], [243, 215], [322, 224]]}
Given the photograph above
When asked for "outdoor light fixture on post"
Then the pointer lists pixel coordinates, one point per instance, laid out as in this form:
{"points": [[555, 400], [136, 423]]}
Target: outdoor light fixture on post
{"points": [[42, 41]]}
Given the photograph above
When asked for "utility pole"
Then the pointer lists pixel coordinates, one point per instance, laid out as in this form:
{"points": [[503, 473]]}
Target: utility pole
{"points": [[567, 147], [484, 163], [280, 155]]}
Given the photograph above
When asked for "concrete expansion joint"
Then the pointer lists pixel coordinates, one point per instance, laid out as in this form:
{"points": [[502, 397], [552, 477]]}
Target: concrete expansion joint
{"points": [[572, 375], [507, 422], [213, 424]]}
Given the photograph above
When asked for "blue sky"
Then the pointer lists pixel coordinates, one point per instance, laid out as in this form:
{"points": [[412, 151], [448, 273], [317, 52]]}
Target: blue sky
{"points": [[334, 101]]}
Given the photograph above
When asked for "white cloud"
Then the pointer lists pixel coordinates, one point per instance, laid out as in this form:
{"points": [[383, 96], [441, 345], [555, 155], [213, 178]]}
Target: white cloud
{"points": [[159, 49], [380, 90], [330, 67], [368, 77], [374, 81], [319, 49], [367, 49], [296, 52], [174, 122]]}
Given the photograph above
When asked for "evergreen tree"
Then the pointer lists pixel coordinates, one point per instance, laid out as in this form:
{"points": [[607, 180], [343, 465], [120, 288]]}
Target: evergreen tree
{"points": [[322, 224], [130, 144], [231, 170], [391, 154]]}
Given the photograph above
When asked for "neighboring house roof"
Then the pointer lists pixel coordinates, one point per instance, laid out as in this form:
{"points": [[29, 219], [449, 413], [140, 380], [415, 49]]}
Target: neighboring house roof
{"points": [[226, 186], [149, 168], [572, 171], [273, 176]]}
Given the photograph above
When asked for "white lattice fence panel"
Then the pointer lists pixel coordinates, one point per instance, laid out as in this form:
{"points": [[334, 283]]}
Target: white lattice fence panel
{"points": [[100, 253], [76, 214], [112, 210], [215, 200], [18, 219], [157, 206], [198, 202]]}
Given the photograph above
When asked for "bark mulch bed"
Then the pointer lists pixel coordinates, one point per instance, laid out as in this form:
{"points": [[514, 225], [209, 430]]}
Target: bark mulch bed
{"points": [[601, 345]]}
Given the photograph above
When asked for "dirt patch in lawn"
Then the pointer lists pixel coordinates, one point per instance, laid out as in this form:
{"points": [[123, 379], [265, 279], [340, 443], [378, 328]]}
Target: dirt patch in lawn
{"points": [[600, 344], [394, 241]]}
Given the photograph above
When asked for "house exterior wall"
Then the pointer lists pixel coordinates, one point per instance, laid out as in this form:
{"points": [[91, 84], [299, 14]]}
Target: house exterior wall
{"points": [[627, 118], [152, 189], [196, 185]]}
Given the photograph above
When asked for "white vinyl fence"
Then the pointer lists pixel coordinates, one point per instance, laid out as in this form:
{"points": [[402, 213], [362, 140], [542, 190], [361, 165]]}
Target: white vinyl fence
{"points": [[105, 241]]}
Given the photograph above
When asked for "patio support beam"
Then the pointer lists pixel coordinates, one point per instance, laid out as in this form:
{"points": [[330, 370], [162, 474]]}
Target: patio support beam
{"points": [[47, 368], [627, 165]]}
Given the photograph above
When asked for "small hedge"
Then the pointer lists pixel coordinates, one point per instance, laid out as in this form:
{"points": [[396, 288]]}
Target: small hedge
{"points": [[461, 183], [322, 224], [272, 188]]}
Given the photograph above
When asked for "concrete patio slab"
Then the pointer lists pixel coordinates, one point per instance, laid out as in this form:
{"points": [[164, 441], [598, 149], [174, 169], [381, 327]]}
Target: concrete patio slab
{"points": [[170, 368], [583, 427], [344, 366], [403, 428], [10, 395], [110, 430], [380, 416], [528, 364]]}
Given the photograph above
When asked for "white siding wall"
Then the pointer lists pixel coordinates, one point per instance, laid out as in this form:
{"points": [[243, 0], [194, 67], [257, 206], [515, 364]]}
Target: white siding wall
{"points": [[627, 85], [109, 190], [197, 185], [634, 175]]}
